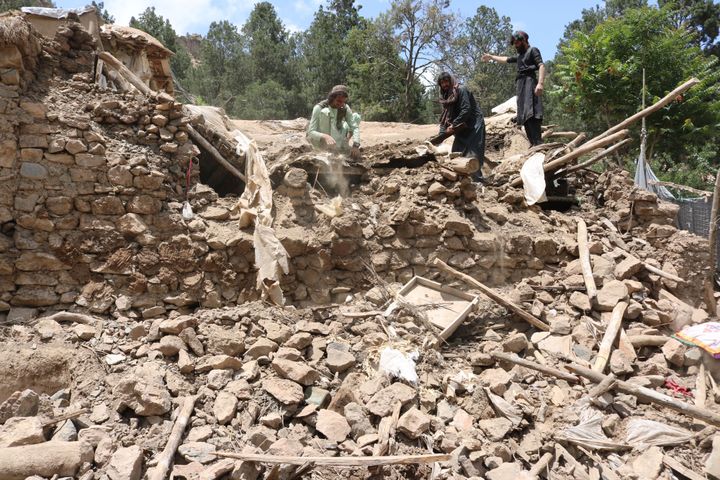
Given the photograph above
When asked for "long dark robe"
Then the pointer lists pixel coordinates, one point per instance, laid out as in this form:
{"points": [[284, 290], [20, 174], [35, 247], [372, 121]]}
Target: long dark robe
{"points": [[467, 119], [528, 104]]}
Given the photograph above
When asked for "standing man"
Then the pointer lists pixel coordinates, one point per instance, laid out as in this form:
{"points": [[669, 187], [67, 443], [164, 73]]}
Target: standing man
{"points": [[333, 124], [461, 116], [528, 86]]}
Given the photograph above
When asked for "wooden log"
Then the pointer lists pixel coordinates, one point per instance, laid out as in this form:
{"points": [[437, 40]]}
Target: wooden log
{"points": [[582, 150], [702, 193], [561, 134], [44, 459], [594, 159], [686, 472], [582, 240], [639, 341], [122, 84], [125, 72], [215, 154], [611, 333], [662, 273], [528, 317], [710, 301], [700, 387], [650, 395], [555, 372], [164, 460], [602, 388], [542, 464], [98, 70], [463, 165], [339, 461], [65, 416], [72, 317], [670, 97]]}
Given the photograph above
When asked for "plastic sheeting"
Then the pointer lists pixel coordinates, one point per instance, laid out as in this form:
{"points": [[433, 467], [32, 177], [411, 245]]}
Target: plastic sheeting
{"points": [[58, 13], [505, 408], [397, 364], [533, 177], [705, 335], [255, 206], [588, 432], [642, 433]]}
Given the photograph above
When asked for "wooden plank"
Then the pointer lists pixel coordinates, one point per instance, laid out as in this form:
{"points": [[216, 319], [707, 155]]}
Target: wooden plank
{"points": [[125, 72], [215, 154], [582, 239], [535, 366], [339, 461], [611, 333], [675, 465], [531, 319]]}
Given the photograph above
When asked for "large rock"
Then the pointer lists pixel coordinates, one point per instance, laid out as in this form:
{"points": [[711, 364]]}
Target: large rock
{"points": [[126, 464], [198, 452], [495, 428], [384, 401], [220, 362], [674, 352], [295, 371], [19, 404], [333, 425], [414, 423], [225, 407], [610, 294], [144, 392], [285, 391], [21, 431]]}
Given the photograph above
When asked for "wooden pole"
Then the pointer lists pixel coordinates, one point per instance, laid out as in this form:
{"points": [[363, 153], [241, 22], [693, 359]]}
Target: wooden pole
{"points": [[578, 152], [674, 464], [339, 461], [528, 317], [650, 395], [166, 456], [555, 372], [710, 301], [651, 109], [584, 250], [595, 158], [648, 340], [117, 65], [215, 154], [611, 333]]}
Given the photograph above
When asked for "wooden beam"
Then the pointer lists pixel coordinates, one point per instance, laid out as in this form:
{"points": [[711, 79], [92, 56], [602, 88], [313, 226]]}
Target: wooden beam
{"points": [[125, 72], [528, 317], [650, 395], [648, 340], [702, 193], [555, 372], [594, 159], [710, 301], [686, 472], [166, 456], [586, 266], [611, 333], [339, 461], [215, 154]]}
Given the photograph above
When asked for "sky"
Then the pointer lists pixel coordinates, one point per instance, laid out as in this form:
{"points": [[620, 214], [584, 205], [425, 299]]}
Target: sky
{"points": [[543, 20]]}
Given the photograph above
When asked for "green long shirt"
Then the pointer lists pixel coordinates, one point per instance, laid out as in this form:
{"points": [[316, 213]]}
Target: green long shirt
{"points": [[324, 121]]}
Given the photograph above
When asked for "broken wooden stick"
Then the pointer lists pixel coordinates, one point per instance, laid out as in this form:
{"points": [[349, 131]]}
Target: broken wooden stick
{"points": [[602, 388], [125, 72], [670, 97], [541, 464], [528, 317], [65, 416], [649, 395], [594, 159], [339, 461], [164, 460], [710, 301], [648, 340], [555, 372], [214, 153], [44, 459], [686, 472], [72, 317], [582, 240], [611, 333]]}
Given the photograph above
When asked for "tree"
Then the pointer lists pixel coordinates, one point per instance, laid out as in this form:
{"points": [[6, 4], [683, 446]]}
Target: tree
{"points": [[418, 27], [326, 58], [6, 5], [592, 17], [104, 14], [157, 26], [701, 17], [485, 32], [267, 44], [600, 79]]}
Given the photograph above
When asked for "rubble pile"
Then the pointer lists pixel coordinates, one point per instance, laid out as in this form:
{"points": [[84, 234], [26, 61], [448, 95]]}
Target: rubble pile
{"points": [[134, 340]]}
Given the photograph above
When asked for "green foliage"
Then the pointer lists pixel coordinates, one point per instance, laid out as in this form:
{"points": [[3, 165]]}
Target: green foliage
{"points": [[701, 17], [267, 44], [6, 5], [599, 78], [695, 169], [262, 101], [485, 32], [104, 14]]}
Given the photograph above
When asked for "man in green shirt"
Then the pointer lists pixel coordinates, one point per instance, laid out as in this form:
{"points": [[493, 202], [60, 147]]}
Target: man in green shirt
{"points": [[333, 124]]}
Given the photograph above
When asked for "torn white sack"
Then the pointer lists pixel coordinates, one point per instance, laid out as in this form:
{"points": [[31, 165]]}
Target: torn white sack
{"points": [[397, 364], [533, 177]]}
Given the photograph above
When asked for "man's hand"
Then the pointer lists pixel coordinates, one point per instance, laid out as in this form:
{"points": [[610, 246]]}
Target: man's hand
{"points": [[486, 57], [450, 130], [355, 152], [539, 90], [329, 141]]}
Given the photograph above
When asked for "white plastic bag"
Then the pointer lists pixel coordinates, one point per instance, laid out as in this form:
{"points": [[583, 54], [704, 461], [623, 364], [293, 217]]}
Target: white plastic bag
{"points": [[642, 433], [397, 364], [533, 177], [187, 213]]}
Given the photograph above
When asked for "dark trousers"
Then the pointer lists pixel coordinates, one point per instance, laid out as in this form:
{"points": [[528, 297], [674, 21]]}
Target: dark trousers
{"points": [[532, 130]]}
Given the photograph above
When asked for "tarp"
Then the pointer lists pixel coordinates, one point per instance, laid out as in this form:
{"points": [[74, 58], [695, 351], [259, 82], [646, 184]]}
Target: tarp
{"points": [[58, 13], [533, 177]]}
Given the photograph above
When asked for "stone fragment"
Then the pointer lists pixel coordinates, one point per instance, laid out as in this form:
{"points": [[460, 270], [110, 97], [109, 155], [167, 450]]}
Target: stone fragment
{"points": [[333, 425], [210, 362], [649, 464], [674, 352], [217, 379], [495, 428], [507, 471], [383, 402], [414, 423], [515, 343], [225, 407], [198, 452], [338, 360], [84, 332], [462, 420], [610, 294], [19, 431], [177, 324], [317, 396], [284, 391], [185, 363], [19, 404], [170, 345], [125, 464], [359, 420], [627, 268], [261, 348], [496, 379], [143, 391], [295, 371], [620, 364], [299, 341], [190, 338]]}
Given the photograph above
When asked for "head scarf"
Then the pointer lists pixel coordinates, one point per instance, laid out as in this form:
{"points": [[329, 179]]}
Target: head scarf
{"points": [[447, 97], [337, 90]]}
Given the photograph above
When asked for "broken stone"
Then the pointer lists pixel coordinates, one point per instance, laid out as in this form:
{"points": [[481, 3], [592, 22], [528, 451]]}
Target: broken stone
{"points": [[225, 407], [261, 348], [144, 392], [338, 360], [359, 421], [620, 364], [414, 423], [21, 431], [674, 352], [284, 391], [220, 362], [515, 343], [19, 404], [125, 464], [495, 428], [610, 294], [383, 402], [333, 425], [198, 452], [649, 464], [295, 371], [627, 268]]}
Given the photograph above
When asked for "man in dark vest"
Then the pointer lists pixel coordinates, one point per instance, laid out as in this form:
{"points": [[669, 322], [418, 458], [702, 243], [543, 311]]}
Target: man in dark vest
{"points": [[461, 117], [528, 84]]}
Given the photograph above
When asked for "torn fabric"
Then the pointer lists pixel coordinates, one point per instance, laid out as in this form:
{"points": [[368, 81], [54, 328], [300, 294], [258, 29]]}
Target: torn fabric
{"points": [[533, 177]]}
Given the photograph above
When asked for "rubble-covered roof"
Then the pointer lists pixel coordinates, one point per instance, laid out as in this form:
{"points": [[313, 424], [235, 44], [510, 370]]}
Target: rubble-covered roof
{"points": [[135, 39], [58, 13]]}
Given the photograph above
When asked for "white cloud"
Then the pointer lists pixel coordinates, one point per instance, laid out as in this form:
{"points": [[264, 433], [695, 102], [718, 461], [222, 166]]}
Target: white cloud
{"points": [[291, 27], [186, 16], [306, 6]]}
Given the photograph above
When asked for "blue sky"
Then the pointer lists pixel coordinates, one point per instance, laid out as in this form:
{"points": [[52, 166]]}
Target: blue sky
{"points": [[543, 20]]}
